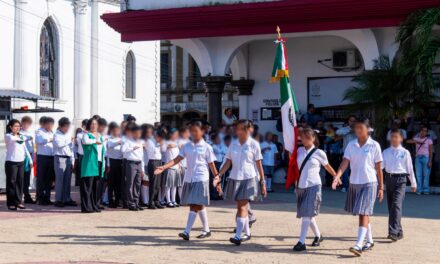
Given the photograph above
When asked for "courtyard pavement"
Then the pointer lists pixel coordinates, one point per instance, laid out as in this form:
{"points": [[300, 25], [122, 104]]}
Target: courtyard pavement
{"points": [[52, 235]]}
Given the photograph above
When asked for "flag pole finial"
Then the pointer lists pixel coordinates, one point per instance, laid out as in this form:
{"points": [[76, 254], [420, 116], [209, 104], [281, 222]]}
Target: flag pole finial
{"points": [[279, 32]]}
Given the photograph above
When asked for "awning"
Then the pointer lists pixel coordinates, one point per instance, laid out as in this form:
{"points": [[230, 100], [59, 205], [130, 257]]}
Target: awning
{"points": [[261, 18], [11, 93]]}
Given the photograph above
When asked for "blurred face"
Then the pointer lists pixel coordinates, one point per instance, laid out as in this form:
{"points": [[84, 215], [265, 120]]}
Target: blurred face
{"points": [[174, 136], [26, 125], [424, 132], [94, 126], [269, 137], [65, 129], [307, 140], [48, 126], [396, 139], [228, 112], [150, 133], [227, 142], [241, 132], [101, 129], [351, 121], [361, 130], [137, 134], [217, 140], [15, 128], [185, 134], [320, 124], [196, 133], [116, 131]]}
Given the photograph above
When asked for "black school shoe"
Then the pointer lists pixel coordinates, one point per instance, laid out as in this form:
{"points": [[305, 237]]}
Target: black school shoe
{"points": [[184, 235], [58, 204], [317, 241], [393, 237], [133, 209], [368, 246], [235, 240], [356, 251], [71, 203], [299, 247], [204, 235], [29, 201]]}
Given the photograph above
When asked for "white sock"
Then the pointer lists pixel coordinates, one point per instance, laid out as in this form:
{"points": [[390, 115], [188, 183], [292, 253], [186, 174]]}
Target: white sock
{"points": [[247, 229], [191, 219], [250, 212], [173, 194], [314, 227], [167, 194], [204, 218], [369, 235], [362, 232], [268, 183], [305, 223], [241, 222], [145, 194]]}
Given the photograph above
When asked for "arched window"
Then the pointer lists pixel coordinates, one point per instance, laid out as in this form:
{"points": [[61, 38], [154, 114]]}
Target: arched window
{"points": [[48, 60], [130, 76]]}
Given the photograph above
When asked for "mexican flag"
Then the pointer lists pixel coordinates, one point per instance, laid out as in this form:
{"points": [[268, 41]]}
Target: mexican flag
{"points": [[289, 108]]}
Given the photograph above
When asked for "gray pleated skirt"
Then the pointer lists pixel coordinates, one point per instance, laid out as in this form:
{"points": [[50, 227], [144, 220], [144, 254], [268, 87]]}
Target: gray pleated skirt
{"points": [[237, 190], [361, 198], [172, 178], [308, 201], [182, 176], [196, 193]]}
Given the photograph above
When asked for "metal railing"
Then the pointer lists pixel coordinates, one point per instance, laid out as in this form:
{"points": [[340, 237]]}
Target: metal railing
{"points": [[200, 106]]}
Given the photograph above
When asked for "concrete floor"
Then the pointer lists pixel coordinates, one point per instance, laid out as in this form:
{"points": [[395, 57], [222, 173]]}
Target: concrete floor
{"points": [[52, 235]]}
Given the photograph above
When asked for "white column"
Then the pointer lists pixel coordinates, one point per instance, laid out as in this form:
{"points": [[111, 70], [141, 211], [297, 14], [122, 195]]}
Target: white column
{"points": [[94, 58], [22, 63], [243, 106], [82, 81]]}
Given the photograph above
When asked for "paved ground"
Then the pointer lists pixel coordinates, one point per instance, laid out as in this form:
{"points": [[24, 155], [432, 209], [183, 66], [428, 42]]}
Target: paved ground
{"points": [[49, 235]]}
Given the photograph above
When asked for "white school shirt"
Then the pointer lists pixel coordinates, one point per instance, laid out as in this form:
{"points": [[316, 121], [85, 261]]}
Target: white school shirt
{"points": [[130, 153], [79, 137], [198, 156], [42, 138], [268, 154], [15, 151], [243, 158], [171, 151], [310, 174], [153, 149], [398, 160], [181, 142], [363, 160], [220, 151], [29, 140], [114, 148], [62, 145], [86, 140]]}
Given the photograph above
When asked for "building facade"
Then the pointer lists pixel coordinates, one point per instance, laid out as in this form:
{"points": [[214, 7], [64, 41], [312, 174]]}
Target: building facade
{"points": [[62, 49]]}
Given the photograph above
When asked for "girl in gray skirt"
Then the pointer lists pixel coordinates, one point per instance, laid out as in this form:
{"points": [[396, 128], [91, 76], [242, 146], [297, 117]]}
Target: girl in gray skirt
{"points": [[195, 193], [308, 191], [365, 158], [171, 180], [246, 181]]}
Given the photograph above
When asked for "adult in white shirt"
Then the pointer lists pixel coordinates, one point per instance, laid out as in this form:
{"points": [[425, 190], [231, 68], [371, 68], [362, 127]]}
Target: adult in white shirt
{"points": [[45, 160], [16, 157], [365, 159], [78, 150], [26, 124], [228, 117], [133, 153], [269, 151], [195, 193], [246, 180], [308, 192], [398, 167], [64, 160]]}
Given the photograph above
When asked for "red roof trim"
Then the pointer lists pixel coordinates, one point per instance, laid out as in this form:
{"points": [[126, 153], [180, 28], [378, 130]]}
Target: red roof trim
{"points": [[261, 18]]}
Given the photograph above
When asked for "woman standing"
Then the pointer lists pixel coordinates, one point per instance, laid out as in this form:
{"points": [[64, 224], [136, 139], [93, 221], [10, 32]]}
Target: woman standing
{"points": [[195, 193], [246, 181], [92, 167], [308, 192], [16, 157], [365, 158]]}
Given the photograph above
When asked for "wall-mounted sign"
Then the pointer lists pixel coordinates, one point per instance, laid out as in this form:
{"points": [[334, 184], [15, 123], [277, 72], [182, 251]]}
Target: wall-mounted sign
{"points": [[255, 115], [271, 102]]}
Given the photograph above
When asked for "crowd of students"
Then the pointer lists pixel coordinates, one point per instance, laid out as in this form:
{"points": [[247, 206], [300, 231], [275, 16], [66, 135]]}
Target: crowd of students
{"points": [[154, 166]]}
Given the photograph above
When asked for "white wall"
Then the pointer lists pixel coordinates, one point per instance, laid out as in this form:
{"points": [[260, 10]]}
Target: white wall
{"points": [[302, 54], [7, 44]]}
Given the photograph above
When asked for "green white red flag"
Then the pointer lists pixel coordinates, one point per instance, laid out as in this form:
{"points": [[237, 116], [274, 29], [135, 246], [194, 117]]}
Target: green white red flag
{"points": [[289, 108]]}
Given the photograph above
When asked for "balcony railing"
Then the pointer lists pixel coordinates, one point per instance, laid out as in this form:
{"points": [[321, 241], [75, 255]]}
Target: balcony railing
{"points": [[200, 106]]}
